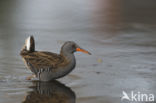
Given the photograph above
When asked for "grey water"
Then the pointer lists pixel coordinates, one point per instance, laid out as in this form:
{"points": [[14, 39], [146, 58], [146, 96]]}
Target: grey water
{"points": [[120, 34]]}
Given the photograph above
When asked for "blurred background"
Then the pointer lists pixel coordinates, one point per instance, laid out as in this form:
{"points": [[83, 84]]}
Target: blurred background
{"points": [[120, 34]]}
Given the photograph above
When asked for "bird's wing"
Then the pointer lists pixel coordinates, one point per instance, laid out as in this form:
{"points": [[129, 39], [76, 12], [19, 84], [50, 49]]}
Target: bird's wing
{"points": [[42, 61]]}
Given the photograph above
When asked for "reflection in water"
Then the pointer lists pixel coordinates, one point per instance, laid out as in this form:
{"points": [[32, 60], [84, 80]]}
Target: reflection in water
{"points": [[50, 92]]}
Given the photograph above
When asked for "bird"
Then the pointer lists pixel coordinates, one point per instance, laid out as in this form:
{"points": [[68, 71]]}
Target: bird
{"points": [[47, 66]]}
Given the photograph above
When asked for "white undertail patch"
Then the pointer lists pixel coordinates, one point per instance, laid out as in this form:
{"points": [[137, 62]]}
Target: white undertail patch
{"points": [[28, 43]]}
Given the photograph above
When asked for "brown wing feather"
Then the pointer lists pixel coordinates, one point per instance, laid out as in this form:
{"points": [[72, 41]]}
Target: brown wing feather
{"points": [[37, 61]]}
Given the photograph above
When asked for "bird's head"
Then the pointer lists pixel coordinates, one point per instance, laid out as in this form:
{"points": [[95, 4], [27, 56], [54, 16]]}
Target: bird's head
{"points": [[71, 47]]}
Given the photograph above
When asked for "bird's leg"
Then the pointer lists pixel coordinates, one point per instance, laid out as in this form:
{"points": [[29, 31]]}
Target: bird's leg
{"points": [[30, 77]]}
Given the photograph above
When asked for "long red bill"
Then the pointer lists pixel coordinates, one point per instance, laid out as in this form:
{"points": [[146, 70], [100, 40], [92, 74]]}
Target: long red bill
{"points": [[82, 50]]}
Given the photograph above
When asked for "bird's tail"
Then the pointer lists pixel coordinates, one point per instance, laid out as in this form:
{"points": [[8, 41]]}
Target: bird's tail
{"points": [[29, 45]]}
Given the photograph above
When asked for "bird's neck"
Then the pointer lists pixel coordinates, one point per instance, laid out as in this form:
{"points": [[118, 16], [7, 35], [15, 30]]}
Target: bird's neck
{"points": [[70, 58], [67, 55]]}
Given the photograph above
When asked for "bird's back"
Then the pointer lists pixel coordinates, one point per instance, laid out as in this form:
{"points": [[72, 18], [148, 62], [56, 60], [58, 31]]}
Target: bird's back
{"points": [[43, 61]]}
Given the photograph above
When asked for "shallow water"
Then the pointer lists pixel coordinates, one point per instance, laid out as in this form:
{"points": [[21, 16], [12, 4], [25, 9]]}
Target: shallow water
{"points": [[119, 34]]}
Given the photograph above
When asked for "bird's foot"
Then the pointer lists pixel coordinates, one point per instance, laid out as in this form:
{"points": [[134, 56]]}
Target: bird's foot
{"points": [[30, 77]]}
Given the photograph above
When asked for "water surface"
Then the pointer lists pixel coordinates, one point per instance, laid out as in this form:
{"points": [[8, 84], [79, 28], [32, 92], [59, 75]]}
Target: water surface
{"points": [[120, 34]]}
